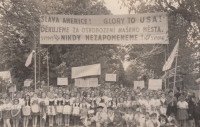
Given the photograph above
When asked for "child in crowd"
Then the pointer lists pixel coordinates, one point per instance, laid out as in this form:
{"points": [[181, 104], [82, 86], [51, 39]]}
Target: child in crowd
{"points": [[76, 112], [6, 115], [44, 102], [26, 110], [129, 118], [59, 108], [35, 109], [67, 109], [51, 109], [16, 112], [87, 106]]}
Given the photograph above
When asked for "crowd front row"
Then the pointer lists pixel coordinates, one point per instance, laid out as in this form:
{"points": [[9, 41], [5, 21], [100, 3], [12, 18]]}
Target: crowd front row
{"points": [[136, 109]]}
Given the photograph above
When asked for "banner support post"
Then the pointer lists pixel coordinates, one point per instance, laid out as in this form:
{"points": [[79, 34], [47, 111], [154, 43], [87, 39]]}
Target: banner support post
{"points": [[175, 76], [47, 68], [165, 70], [35, 65]]}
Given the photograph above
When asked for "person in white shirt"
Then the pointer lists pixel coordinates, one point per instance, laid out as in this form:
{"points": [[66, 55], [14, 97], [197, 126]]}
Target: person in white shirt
{"points": [[101, 117], [163, 104], [76, 112], [21, 101], [67, 109], [129, 118], [59, 108], [153, 121], [35, 108], [155, 104], [26, 110], [182, 113], [51, 108], [43, 102], [141, 100], [72, 98], [147, 104], [128, 102]]}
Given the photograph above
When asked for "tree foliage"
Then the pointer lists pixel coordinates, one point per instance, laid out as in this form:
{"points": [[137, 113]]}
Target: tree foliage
{"points": [[184, 25], [20, 26]]}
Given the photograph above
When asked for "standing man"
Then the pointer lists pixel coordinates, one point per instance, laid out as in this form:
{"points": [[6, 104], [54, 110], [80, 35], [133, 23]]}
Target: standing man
{"points": [[171, 103]]}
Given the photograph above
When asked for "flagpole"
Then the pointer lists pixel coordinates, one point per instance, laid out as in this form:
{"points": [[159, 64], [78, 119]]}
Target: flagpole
{"points": [[47, 68], [35, 67], [165, 70], [39, 65], [175, 75]]}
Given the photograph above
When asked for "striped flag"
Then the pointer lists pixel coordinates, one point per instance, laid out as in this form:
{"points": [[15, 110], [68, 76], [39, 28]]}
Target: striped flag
{"points": [[170, 60], [29, 59]]}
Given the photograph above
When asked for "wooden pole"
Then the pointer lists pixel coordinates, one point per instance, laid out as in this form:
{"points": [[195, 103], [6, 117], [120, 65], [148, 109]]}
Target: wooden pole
{"points": [[39, 64], [165, 70], [35, 65], [168, 70], [175, 77], [48, 68]]}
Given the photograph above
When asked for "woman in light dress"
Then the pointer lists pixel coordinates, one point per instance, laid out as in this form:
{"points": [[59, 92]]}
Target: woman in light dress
{"points": [[163, 106], [35, 109], [16, 112], [6, 114], [43, 109], [26, 110], [51, 109], [59, 108], [67, 110]]}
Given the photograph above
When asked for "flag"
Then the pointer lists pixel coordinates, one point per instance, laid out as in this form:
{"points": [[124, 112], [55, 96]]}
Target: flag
{"points": [[170, 60], [29, 59]]}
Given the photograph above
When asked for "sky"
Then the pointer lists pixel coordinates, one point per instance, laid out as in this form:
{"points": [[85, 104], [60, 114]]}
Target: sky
{"points": [[114, 7]]}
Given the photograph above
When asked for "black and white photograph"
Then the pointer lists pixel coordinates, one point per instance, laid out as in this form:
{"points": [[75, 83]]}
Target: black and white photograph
{"points": [[99, 63]]}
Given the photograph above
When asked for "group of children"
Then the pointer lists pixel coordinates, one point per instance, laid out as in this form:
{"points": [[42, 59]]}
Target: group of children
{"points": [[99, 107]]}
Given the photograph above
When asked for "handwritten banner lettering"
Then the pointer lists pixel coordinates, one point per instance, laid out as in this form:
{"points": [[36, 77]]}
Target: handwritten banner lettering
{"points": [[149, 28]]}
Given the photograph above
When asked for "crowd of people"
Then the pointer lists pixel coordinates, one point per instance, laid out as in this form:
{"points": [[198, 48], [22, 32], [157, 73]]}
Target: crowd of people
{"points": [[104, 106]]}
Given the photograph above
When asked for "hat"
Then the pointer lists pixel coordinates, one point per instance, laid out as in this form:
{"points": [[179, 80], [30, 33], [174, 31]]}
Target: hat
{"points": [[170, 91], [100, 107], [163, 116], [110, 108], [153, 114]]}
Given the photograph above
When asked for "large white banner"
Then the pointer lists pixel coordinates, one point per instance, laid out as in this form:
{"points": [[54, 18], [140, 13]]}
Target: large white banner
{"points": [[138, 84], [5, 75], [62, 81], [155, 84], [86, 82], [111, 77], [83, 71], [148, 28]]}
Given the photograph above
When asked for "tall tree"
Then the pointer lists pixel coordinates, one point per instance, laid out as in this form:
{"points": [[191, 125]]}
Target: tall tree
{"points": [[20, 26], [183, 20]]}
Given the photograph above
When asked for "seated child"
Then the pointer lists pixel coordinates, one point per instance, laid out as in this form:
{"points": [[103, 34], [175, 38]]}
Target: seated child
{"points": [[129, 118]]}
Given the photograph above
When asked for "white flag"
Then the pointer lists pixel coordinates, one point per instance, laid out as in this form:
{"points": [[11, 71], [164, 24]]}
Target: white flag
{"points": [[29, 59], [170, 60]]}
